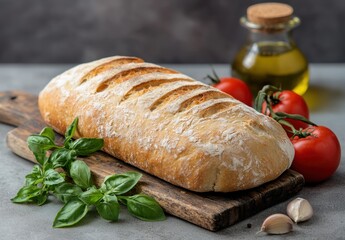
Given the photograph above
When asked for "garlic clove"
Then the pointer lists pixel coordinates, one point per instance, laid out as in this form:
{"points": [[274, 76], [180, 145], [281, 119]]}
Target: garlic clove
{"points": [[277, 224], [299, 210]]}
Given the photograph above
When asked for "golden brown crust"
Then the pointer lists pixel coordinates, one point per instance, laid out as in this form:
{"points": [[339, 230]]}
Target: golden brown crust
{"points": [[168, 124]]}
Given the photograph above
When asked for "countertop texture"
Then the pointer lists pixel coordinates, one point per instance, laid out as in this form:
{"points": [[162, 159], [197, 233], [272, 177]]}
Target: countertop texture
{"points": [[326, 98]]}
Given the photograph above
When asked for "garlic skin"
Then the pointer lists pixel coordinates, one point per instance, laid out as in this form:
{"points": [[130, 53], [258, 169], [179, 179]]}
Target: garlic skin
{"points": [[277, 224], [299, 210]]}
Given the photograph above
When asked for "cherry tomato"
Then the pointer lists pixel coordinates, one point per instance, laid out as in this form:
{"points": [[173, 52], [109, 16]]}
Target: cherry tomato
{"points": [[236, 88], [317, 156], [290, 102]]}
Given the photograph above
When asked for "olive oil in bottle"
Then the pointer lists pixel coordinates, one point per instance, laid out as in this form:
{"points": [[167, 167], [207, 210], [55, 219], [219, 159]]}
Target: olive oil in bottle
{"points": [[271, 56]]}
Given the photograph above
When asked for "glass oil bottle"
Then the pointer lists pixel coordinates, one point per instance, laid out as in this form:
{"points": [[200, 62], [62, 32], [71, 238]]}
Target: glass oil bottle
{"points": [[271, 55]]}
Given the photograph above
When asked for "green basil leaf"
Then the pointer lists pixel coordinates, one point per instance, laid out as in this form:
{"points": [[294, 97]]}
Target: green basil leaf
{"points": [[109, 209], [91, 196], [36, 170], [71, 213], [121, 183], [145, 208], [47, 165], [70, 132], [61, 157], [35, 176], [39, 144], [41, 199], [109, 198], [123, 200], [26, 194], [86, 146], [48, 132], [81, 174], [40, 156], [52, 177], [67, 191]]}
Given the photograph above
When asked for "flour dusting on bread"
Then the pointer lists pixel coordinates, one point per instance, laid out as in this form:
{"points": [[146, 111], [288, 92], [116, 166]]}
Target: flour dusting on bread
{"points": [[168, 124]]}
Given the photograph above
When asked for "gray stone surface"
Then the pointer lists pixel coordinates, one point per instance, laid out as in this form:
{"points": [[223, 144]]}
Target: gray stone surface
{"points": [[171, 31], [32, 222]]}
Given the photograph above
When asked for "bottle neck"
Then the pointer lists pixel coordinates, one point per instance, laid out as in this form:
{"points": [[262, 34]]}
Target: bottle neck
{"points": [[262, 36], [270, 43]]}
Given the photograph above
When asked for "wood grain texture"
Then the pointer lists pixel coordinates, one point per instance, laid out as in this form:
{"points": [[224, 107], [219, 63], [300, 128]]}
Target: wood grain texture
{"points": [[17, 107], [212, 211]]}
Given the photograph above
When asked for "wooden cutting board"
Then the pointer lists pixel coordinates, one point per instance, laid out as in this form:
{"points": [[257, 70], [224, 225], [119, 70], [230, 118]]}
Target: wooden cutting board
{"points": [[212, 211]]}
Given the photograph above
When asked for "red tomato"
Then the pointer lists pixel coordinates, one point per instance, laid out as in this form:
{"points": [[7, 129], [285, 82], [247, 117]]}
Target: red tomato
{"points": [[292, 103], [317, 156], [236, 88]]}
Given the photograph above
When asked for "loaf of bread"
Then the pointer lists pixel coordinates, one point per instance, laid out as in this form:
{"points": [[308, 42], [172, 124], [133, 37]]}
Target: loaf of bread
{"points": [[169, 125]]}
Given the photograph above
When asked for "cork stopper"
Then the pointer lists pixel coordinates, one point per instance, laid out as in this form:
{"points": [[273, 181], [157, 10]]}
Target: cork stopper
{"points": [[269, 13]]}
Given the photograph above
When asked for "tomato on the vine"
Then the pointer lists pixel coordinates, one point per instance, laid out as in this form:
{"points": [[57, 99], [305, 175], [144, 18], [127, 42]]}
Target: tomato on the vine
{"points": [[291, 103], [317, 153], [236, 88]]}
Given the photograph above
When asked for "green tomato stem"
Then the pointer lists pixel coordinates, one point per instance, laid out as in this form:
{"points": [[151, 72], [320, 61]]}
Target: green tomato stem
{"points": [[214, 78], [270, 95]]}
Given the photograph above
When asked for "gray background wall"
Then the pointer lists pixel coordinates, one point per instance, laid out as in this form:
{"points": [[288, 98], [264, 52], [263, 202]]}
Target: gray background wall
{"points": [[166, 31]]}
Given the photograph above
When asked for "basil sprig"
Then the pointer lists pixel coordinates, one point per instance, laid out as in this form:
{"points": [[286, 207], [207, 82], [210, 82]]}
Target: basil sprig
{"points": [[74, 186]]}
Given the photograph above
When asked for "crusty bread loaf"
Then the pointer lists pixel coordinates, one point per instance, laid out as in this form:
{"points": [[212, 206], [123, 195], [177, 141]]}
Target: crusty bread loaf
{"points": [[169, 125]]}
